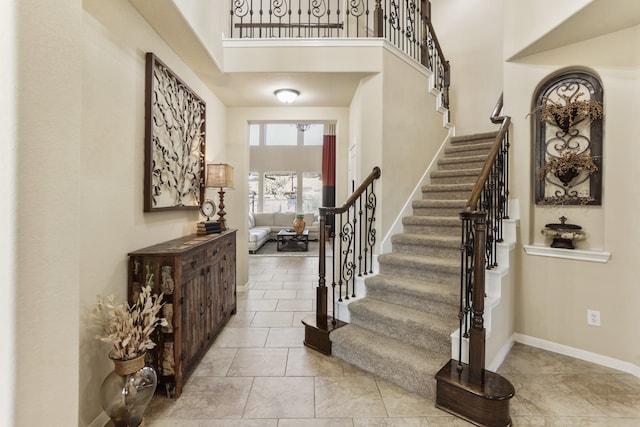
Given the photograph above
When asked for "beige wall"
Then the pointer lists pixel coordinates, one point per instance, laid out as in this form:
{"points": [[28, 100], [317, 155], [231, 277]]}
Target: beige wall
{"points": [[527, 21], [46, 150], [553, 294], [8, 214], [474, 50], [111, 221], [412, 133]]}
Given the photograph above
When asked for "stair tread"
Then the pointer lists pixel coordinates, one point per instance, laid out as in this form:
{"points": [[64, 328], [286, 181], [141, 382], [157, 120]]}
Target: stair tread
{"points": [[414, 285], [419, 260], [473, 137], [401, 363], [430, 220], [456, 172], [462, 159], [439, 202], [417, 239], [407, 317], [448, 187]]}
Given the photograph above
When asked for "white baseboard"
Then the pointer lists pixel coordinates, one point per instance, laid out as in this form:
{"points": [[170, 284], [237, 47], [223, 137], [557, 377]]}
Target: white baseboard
{"points": [[502, 354], [588, 356]]}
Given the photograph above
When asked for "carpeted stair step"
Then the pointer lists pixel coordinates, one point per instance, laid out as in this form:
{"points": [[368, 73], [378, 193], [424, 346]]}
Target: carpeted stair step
{"points": [[437, 298], [476, 138], [438, 207], [408, 366], [445, 225], [428, 245], [467, 162], [455, 176], [447, 191], [419, 328], [420, 267], [481, 148]]}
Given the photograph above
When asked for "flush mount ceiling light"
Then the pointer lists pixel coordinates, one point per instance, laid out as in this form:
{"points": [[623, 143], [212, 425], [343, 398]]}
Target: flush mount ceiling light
{"points": [[286, 96]]}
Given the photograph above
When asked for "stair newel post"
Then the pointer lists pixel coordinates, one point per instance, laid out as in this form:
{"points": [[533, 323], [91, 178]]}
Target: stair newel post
{"points": [[321, 290], [378, 19], [477, 332]]}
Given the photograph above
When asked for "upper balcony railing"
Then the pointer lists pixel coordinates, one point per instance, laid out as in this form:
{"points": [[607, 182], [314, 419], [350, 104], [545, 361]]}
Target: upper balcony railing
{"points": [[406, 24]]}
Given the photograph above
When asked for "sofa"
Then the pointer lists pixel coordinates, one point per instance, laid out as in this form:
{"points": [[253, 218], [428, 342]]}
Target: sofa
{"points": [[265, 226]]}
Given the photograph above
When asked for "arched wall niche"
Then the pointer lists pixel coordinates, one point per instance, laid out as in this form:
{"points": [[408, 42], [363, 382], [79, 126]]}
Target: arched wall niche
{"points": [[568, 127]]}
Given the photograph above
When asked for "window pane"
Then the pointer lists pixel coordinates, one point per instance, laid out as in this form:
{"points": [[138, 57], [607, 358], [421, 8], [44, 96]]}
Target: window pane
{"points": [[281, 134], [254, 134], [280, 192], [311, 191], [314, 135], [254, 191]]}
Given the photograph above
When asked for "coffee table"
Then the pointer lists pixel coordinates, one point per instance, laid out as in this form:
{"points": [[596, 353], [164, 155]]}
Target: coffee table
{"points": [[289, 241]]}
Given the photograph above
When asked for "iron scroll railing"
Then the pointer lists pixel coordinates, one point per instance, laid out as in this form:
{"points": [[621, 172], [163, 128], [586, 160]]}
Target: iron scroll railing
{"points": [[406, 24], [351, 241], [482, 230]]}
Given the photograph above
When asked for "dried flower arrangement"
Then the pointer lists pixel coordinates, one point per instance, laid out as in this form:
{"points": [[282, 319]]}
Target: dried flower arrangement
{"points": [[128, 328], [569, 161], [570, 111]]}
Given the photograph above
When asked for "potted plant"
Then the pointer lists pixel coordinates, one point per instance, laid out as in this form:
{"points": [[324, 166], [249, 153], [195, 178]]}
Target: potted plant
{"points": [[128, 389], [568, 110], [568, 165]]}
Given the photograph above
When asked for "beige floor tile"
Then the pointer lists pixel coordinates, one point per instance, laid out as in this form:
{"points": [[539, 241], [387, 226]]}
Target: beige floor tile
{"points": [[267, 285], [280, 294], [215, 363], [241, 337], [254, 362], [240, 319], [285, 337], [281, 397], [295, 305], [210, 422], [306, 362], [258, 305], [318, 422], [390, 422], [356, 396], [272, 319], [548, 395], [301, 285], [213, 397], [402, 403]]}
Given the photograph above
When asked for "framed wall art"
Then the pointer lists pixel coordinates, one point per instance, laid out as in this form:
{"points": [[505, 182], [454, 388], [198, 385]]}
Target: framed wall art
{"points": [[174, 141]]}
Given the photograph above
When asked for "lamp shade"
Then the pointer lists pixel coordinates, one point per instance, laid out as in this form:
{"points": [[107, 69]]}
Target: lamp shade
{"points": [[219, 175]]}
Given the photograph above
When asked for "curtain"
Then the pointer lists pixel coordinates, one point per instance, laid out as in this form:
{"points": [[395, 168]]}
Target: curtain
{"points": [[329, 170]]}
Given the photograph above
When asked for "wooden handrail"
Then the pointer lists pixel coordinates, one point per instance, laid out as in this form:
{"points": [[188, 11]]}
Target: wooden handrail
{"points": [[472, 203], [375, 174]]}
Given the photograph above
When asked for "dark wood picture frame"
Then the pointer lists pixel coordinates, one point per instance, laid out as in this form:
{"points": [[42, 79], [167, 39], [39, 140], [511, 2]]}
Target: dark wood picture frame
{"points": [[174, 142]]}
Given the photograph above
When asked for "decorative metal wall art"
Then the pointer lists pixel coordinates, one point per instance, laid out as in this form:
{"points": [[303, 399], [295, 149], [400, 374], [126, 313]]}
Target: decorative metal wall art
{"points": [[568, 140], [174, 141]]}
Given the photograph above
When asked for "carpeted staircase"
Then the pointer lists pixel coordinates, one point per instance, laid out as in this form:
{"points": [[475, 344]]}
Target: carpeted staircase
{"points": [[401, 330]]}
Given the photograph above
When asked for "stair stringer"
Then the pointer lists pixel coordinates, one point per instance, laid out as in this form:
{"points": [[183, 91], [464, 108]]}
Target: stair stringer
{"points": [[499, 311]]}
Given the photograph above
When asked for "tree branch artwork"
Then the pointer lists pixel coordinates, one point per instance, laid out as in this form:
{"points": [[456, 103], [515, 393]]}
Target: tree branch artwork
{"points": [[174, 141]]}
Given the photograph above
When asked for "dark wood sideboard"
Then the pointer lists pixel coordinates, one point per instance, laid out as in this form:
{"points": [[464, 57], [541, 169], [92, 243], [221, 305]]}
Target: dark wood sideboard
{"points": [[197, 275]]}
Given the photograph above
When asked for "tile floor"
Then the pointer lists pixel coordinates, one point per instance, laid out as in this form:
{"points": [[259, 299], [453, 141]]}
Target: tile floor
{"points": [[258, 373]]}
